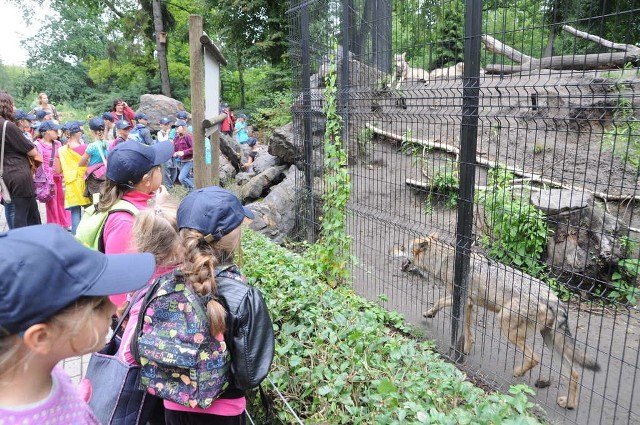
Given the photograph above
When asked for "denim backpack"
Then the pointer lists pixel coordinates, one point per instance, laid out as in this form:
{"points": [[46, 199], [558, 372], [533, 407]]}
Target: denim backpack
{"points": [[180, 360]]}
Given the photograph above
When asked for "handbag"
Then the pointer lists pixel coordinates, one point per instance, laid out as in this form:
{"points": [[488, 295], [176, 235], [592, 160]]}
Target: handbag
{"points": [[44, 183], [4, 190], [115, 397]]}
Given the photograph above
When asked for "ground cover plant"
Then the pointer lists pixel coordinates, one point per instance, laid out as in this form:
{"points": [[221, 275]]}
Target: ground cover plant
{"points": [[342, 359]]}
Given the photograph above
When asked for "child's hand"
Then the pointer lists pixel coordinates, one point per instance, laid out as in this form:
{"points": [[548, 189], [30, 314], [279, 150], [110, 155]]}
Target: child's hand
{"points": [[162, 194]]}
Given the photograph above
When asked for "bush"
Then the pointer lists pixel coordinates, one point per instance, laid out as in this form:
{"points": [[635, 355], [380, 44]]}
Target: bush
{"points": [[342, 359]]}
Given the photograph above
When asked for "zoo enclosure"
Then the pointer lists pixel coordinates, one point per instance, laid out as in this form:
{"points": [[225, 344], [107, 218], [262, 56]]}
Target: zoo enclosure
{"points": [[528, 154]]}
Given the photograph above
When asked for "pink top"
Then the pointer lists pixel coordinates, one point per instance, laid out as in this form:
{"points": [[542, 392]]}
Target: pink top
{"points": [[118, 231], [62, 406], [221, 406], [47, 150]]}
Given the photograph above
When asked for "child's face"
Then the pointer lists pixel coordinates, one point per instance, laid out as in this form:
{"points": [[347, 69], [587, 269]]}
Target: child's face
{"points": [[123, 133], [154, 179]]}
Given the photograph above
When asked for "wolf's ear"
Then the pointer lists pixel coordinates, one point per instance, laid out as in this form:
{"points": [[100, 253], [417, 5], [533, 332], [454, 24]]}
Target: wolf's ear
{"points": [[404, 55]]}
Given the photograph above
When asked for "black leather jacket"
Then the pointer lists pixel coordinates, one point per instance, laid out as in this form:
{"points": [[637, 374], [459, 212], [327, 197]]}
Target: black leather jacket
{"points": [[249, 335]]}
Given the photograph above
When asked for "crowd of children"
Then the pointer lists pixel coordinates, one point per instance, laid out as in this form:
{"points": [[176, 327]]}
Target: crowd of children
{"points": [[74, 293]]}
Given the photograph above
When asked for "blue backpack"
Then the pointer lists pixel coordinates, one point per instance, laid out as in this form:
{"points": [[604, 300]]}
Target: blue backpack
{"points": [[135, 135]]}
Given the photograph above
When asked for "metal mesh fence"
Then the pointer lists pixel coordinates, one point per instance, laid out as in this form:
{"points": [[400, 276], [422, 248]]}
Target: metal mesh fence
{"points": [[512, 130]]}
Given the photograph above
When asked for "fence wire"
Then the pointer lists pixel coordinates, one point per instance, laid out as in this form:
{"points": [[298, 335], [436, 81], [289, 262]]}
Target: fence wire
{"points": [[552, 245]]}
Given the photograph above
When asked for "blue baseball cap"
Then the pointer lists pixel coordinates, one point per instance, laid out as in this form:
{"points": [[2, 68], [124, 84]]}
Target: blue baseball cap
{"points": [[22, 115], [164, 120], [96, 123], [108, 116], [182, 115], [35, 125], [122, 124], [180, 123], [140, 116], [213, 211], [41, 113], [49, 125], [73, 126], [43, 269], [129, 161]]}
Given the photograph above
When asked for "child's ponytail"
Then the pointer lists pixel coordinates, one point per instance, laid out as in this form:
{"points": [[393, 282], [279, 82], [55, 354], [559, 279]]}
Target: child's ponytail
{"points": [[110, 193], [200, 261]]}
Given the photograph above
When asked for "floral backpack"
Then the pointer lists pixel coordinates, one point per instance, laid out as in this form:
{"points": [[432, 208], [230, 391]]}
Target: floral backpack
{"points": [[43, 178], [180, 360]]}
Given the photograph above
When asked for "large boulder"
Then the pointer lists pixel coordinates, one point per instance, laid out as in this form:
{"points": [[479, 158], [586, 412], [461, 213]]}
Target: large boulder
{"points": [[282, 145], [275, 216], [157, 106], [230, 148], [256, 186], [264, 160], [226, 173]]}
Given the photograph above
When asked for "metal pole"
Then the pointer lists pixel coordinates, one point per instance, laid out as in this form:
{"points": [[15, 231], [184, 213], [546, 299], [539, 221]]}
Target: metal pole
{"points": [[344, 74], [468, 143], [306, 118]]}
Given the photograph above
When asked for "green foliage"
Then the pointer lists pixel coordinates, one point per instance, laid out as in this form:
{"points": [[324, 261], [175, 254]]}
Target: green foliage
{"points": [[624, 290], [444, 183], [273, 110], [331, 252], [624, 136], [518, 231], [365, 141], [341, 359]]}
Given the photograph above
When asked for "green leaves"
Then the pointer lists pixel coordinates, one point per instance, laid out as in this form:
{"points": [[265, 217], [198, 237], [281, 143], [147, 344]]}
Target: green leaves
{"points": [[341, 359]]}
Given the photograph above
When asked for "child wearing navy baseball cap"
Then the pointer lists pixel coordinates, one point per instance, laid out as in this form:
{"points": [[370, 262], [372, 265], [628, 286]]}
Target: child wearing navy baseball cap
{"points": [[54, 305]]}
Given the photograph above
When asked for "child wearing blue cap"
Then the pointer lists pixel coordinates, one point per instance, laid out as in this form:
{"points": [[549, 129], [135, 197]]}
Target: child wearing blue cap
{"points": [[134, 175], [200, 243], [49, 147], [54, 306]]}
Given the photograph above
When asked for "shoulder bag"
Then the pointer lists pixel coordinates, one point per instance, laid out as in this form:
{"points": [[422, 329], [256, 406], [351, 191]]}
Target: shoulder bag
{"points": [[6, 196]]}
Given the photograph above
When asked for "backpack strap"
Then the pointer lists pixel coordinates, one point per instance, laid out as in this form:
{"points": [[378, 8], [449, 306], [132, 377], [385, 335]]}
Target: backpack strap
{"points": [[121, 206]]}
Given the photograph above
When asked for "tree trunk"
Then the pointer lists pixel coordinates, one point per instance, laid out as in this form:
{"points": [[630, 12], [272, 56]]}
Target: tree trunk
{"points": [[161, 48], [241, 79], [548, 50]]}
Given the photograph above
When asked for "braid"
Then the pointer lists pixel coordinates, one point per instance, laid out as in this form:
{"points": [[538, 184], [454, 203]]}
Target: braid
{"points": [[110, 193], [199, 265]]}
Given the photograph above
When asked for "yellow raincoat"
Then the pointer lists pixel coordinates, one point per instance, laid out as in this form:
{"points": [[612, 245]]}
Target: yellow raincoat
{"points": [[73, 178]]}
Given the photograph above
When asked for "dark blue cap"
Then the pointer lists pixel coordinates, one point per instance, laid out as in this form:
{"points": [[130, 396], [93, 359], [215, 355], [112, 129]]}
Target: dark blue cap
{"points": [[182, 115], [44, 269], [108, 116], [122, 124], [213, 211], [96, 123], [73, 126], [41, 113], [180, 123], [129, 161], [165, 120], [35, 125], [49, 125], [22, 115], [243, 116], [140, 116]]}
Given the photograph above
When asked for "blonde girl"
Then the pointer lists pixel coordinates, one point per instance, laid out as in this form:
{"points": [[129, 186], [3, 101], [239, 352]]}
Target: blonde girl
{"points": [[55, 306]]}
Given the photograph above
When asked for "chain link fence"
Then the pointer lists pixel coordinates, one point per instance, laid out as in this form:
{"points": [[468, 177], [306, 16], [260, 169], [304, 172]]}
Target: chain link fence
{"points": [[494, 152]]}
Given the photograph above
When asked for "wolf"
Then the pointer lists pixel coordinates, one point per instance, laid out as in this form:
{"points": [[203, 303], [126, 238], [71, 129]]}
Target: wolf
{"points": [[405, 72], [448, 72], [522, 303]]}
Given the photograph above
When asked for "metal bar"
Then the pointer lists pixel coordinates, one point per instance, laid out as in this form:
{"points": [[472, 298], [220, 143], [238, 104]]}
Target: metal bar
{"points": [[468, 143], [306, 118]]}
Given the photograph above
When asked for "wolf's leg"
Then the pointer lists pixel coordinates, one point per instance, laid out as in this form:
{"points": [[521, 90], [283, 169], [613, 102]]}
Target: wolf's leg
{"points": [[514, 327], [469, 339], [439, 305], [571, 400]]}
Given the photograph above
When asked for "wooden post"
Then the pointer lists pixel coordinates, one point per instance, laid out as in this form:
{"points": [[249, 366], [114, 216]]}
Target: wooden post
{"points": [[196, 54]]}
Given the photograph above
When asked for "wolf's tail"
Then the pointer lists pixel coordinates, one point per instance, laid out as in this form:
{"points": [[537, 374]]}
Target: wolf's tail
{"points": [[558, 337]]}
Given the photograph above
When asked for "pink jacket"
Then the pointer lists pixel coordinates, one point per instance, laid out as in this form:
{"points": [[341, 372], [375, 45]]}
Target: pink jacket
{"points": [[118, 236]]}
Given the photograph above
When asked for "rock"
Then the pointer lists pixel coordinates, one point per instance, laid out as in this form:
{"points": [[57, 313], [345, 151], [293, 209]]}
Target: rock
{"points": [[157, 106], [264, 160], [244, 177], [555, 201], [226, 173], [230, 148], [275, 216], [256, 186], [282, 145]]}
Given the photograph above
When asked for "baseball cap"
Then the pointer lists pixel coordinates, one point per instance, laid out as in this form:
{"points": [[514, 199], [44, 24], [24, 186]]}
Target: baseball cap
{"points": [[96, 123], [107, 116], [22, 115], [49, 125], [122, 124], [130, 160], [43, 269], [243, 116], [35, 125], [180, 123], [41, 113], [213, 211], [164, 120], [182, 115], [140, 116], [73, 126]]}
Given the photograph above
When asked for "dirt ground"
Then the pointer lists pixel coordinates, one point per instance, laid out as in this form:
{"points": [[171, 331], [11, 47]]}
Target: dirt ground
{"points": [[385, 211]]}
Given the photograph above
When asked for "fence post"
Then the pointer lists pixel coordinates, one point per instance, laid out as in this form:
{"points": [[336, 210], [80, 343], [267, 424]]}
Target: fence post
{"points": [[196, 53], [306, 119], [468, 143], [343, 88]]}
